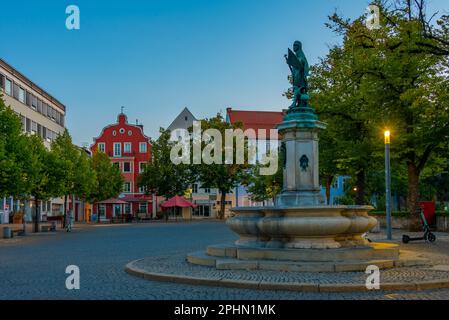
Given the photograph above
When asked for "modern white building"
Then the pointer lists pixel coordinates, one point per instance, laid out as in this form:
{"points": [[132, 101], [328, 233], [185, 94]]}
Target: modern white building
{"points": [[41, 114]]}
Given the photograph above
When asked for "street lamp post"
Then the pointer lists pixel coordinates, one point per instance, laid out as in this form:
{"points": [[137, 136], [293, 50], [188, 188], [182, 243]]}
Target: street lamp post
{"points": [[387, 184]]}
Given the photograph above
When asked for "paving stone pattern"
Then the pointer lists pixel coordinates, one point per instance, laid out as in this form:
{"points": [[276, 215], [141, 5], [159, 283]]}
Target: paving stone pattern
{"points": [[33, 267]]}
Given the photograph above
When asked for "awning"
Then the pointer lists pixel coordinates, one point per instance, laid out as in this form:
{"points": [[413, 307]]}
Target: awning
{"points": [[177, 201], [137, 198], [112, 201]]}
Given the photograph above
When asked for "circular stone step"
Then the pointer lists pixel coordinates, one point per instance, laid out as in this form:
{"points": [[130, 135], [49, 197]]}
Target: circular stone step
{"points": [[232, 257], [177, 269]]}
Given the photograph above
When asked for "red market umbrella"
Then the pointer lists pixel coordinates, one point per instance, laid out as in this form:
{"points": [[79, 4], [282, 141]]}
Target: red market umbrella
{"points": [[177, 201]]}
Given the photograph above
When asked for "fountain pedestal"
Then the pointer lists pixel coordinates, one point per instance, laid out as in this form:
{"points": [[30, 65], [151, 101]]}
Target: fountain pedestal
{"points": [[299, 132]]}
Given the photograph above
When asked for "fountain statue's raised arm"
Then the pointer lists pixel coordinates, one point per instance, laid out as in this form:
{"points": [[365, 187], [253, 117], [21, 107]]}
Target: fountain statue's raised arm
{"points": [[299, 67]]}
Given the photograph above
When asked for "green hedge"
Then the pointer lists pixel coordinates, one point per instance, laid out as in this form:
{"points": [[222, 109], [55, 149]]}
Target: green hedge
{"points": [[393, 213], [404, 214]]}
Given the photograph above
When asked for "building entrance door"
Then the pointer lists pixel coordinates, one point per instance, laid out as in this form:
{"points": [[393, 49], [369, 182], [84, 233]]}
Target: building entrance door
{"points": [[117, 210]]}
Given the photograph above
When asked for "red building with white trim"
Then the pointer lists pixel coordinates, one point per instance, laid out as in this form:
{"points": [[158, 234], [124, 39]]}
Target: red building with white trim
{"points": [[130, 149]]}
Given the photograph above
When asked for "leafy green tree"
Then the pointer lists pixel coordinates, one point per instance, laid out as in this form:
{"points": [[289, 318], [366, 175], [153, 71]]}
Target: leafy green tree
{"points": [[45, 174], [13, 154], [222, 176], [161, 175], [264, 187], [348, 145], [400, 74], [79, 179], [85, 181], [109, 180], [63, 147]]}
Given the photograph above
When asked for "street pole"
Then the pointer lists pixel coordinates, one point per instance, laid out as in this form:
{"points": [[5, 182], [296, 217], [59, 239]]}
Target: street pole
{"points": [[387, 184]]}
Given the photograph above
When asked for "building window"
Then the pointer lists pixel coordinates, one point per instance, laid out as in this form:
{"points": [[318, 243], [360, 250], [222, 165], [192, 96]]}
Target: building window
{"points": [[143, 207], [206, 190], [33, 127], [28, 125], [142, 189], [23, 119], [49, 135], [101, 147], [114, 133], [101, 210], [143, 147], [15, 91], [22, 95], [8, 87], [194, 188], [40, 106], [127, 187], [126, 166], [122, 131], [127, 208], [28, 99], [117, 149], [142, 166], [44, 108], [33, 102], [127, 147], [130, 133]]}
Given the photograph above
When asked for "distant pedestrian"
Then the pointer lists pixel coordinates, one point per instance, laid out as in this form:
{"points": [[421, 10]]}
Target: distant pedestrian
{"points": [[69, 221]]}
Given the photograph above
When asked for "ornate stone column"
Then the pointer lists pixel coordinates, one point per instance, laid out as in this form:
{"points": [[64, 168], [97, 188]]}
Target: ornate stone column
{"points": [[299, 132]]}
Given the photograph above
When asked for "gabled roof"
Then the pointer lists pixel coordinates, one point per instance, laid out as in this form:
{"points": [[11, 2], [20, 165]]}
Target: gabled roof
{"points": [[180, 123], [255, 119]]}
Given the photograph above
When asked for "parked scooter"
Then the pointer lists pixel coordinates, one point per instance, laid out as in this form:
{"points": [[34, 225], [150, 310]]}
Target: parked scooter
{"points": [[427, 236]]}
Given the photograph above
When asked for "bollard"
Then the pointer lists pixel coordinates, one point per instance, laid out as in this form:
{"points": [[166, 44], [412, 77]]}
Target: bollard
{"points": [[7, 232]]}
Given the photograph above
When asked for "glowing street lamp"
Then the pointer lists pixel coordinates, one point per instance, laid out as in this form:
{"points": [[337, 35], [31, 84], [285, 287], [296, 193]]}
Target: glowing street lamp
{"points": [[387, 183]]}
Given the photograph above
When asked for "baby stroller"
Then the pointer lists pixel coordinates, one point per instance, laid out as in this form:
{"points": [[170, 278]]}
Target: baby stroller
{"points": [[427, 236]]}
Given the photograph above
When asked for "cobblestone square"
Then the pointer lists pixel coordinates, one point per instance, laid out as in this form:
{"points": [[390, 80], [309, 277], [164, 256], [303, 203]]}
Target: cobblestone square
{"points": [[33, 267]]}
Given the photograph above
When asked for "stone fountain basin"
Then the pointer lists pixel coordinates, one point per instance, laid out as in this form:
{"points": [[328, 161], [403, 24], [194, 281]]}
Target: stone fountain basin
{"points": [[311, 227], [303, 239]]}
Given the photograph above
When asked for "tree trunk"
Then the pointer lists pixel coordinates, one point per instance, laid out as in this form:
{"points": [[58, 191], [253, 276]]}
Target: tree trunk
{"points": [[328, 182], [36, 215], [73, 208], [360, 184], [98, 213], [412, 197], [64, 217], [222, 204]]}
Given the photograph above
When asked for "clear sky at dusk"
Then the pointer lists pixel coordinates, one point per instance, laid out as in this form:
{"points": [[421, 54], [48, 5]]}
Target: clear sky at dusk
{"points": [[157, 57]]}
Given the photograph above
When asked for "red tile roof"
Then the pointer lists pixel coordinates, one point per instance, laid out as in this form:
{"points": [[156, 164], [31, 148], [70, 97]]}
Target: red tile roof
{"points": [[255, 119]]}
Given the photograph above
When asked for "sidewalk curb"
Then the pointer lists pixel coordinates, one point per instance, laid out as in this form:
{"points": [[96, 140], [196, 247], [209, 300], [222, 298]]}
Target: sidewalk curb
{"points": [[289, 286]]}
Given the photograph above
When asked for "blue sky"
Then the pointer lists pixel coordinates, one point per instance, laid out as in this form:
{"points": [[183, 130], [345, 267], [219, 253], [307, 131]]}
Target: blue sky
{"points": [[156, 57]]}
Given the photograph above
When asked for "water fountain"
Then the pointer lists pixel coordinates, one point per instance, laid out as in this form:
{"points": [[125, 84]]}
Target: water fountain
{"points": [[301, 232]]}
